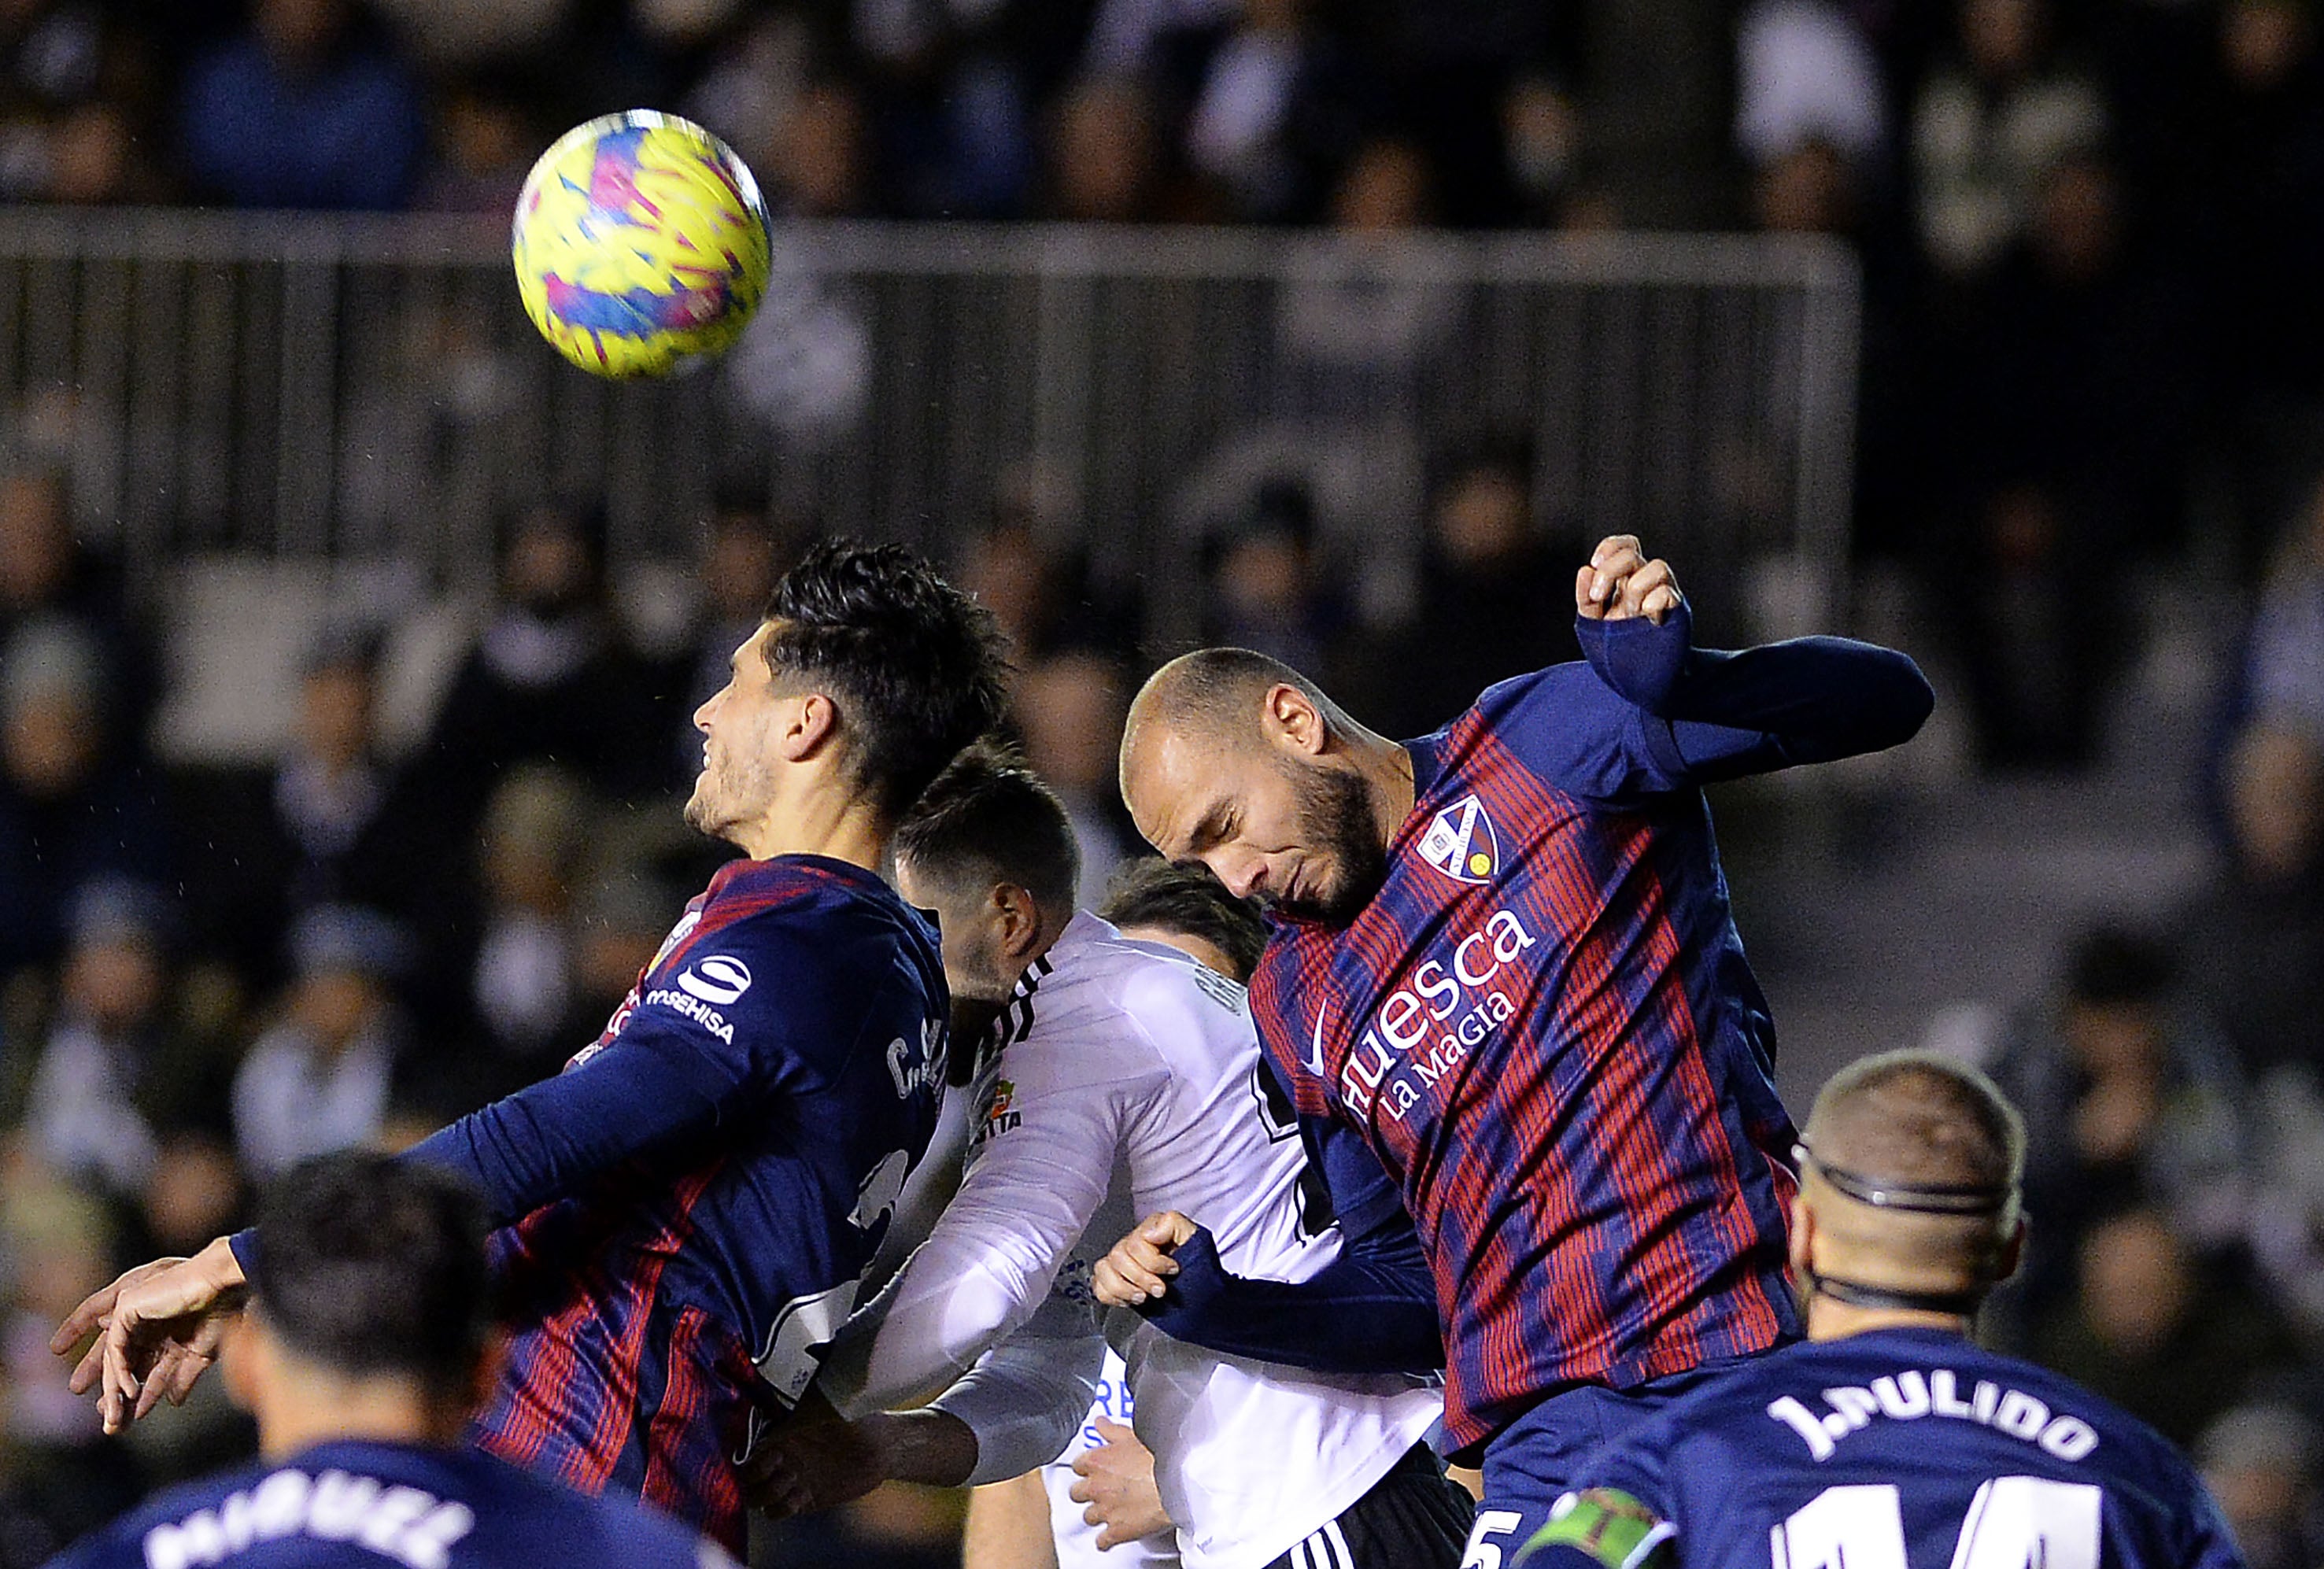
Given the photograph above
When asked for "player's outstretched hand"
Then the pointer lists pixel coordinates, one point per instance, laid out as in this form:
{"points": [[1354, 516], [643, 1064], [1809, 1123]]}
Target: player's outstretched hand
{"points": [[1139, 1268], [1622, 582], [157, 1330], [1116, 1480]]}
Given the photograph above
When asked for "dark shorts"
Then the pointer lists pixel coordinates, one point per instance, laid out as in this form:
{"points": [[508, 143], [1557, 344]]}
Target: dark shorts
{"points": [[1529, 1464], [1414, 1518]]}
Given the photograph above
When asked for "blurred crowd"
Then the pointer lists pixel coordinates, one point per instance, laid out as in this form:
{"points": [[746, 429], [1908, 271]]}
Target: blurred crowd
{"points": [[2090, 229], [2093, 240]]}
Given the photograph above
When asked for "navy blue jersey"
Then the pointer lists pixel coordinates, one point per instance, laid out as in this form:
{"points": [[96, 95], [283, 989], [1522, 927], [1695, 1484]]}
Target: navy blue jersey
{"points": [[372, 1506], [687, 1208], [1903, 1449]]}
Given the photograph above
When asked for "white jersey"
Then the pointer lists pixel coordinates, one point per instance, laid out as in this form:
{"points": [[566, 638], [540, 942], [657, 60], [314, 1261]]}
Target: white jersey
{"points": [[1077, 1538], [1128, 1083]]}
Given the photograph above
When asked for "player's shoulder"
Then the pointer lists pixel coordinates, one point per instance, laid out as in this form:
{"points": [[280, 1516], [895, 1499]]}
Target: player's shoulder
{"points": [[808, 911], [1166, 996], [800, 886], [523, 1517], [410, 1504], [1903, 1376]]}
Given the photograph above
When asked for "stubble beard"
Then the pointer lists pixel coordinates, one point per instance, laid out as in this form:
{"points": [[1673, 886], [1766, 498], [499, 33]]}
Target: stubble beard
{"points": [[1339, 820]]}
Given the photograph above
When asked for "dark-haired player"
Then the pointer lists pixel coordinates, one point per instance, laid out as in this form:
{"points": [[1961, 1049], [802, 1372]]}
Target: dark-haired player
{"points": [[1123, 1077], [1891, 1439], [1505, 956], [360, 1355], [688, 1207]]}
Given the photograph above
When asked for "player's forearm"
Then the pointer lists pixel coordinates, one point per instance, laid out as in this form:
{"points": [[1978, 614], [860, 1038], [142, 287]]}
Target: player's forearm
{"points": [[1709, 715], [931, 1447], [1822, 697], [1830, 690], [1360, 1315], [1026, 1399]]}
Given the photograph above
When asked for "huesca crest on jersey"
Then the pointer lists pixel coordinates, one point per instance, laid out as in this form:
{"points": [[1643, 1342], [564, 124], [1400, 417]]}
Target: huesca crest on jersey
{"points": [[1460, 842]]}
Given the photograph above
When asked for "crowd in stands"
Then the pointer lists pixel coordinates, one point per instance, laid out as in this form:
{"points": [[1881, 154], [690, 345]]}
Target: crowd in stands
{"points": [[2093, 242], [2090, 229]]}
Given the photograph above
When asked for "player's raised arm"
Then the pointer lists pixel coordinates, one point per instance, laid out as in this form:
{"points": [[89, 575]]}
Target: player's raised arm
{"points": [[1806, 700]]}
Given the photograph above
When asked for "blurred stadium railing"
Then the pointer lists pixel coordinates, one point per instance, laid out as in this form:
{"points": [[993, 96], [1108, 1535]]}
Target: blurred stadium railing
{"points": [[307, 386]]}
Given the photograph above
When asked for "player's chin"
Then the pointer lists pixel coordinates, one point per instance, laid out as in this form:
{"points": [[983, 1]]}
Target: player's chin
{"points": [[700, 813]]}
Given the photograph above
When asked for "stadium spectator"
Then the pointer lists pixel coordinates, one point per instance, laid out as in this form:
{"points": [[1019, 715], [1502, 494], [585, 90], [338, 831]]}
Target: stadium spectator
{"points": [[2059, 415], [2148, 1329], [1039, 591], [2282, 681], [1275, 112], [331, 822], [68, 813], [1103, 163], [1806, 75], [305, 109], [2130, 1097], [1068, 711], [1487, 575], [2255, 940], [47, 574], [745, 553], [2260, 1462], [1266, 588], [318, 1080], [1542, 141], [117, 1078], [536, 829], [2258, 174], [482, 145], [1988, 124], [59, 1476], [552, 677]]}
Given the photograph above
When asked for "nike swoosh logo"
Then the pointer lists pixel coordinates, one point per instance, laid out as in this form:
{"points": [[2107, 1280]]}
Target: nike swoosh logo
{"points": [[1315, 1064]]}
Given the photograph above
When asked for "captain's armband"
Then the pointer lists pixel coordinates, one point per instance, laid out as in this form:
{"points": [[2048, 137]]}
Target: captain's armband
{"points": [[1609, 1527]]}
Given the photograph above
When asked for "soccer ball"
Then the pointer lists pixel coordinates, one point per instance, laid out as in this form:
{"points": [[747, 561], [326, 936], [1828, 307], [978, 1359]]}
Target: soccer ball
{"points": [[641, 244]]}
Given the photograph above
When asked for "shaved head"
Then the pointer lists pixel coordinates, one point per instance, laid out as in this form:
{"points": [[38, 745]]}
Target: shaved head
{"points": [[1919, 1118], [1237, 761], [1217, 696], [1914, 1165]]}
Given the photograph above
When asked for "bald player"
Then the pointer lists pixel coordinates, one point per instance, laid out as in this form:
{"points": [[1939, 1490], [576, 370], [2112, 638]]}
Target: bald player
{"points": [[1889, 1439], [1504, 954]]}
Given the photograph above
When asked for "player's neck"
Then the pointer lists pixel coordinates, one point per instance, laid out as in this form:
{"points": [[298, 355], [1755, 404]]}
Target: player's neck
{"points": [[306, 1409], [1833, 1320], [842, 828], [1389, 769]]}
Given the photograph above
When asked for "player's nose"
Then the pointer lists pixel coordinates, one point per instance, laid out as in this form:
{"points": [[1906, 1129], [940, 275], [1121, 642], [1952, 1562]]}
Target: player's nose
{"points": [[1244, 875]]}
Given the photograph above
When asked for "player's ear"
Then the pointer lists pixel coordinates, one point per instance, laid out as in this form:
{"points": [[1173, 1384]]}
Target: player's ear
{"points": [[2013, 1253], [1019, 915], [1294, 721], [1802, 1248], [811, 723]]}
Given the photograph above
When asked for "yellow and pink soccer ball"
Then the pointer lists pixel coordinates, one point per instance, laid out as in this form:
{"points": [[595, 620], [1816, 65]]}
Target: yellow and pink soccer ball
{"points": [[641, 244]]}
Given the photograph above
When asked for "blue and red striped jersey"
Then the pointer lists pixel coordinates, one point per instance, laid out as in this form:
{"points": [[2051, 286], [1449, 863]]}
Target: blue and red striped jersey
{"points": [[1544, 1022], [695, 1196]]}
